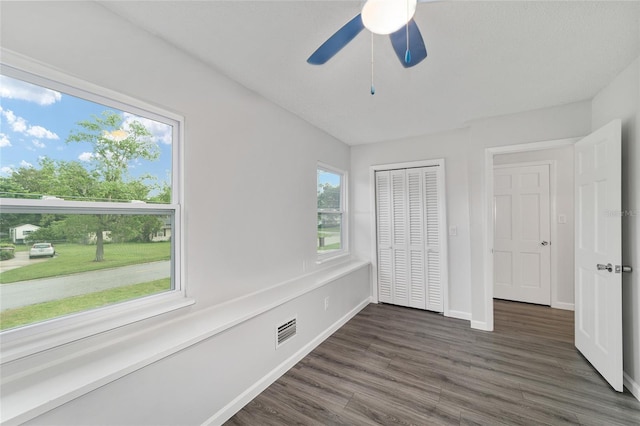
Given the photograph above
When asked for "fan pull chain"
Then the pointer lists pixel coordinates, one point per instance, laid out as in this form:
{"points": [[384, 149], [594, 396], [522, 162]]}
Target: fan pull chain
{"points": [[407, 54], [373, 88]]}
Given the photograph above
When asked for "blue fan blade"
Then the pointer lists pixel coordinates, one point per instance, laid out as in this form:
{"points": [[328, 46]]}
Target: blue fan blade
{"points": [[417, 50], [337, 41]]}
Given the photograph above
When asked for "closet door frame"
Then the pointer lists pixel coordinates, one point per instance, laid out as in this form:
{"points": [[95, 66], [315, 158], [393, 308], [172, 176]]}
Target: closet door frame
{"points": [[440, 164]]}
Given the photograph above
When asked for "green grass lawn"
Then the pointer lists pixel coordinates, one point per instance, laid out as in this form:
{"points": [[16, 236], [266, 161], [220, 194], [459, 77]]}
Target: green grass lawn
{"points": [[57, 308], [327, 233], [74, 258]]}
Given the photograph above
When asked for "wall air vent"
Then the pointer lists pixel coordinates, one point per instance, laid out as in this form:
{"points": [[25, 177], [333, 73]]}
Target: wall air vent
{"points": [[285, 331]]}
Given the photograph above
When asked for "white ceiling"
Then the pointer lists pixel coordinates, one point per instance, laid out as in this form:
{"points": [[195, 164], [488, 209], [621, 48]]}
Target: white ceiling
{"points": [[485, 58]]}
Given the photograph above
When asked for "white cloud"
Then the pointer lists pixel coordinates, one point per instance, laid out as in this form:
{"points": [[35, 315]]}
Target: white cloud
{"points": [[38, 144], [41, 132], [24, 163], [86, 156], [19, 125], [4, 141], [16, 89], [6, 170], [160, 132]]}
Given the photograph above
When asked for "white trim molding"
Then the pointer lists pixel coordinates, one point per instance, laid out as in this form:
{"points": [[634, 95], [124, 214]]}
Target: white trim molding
{"points": [[481, 325], [630, 384], [460, 315]]}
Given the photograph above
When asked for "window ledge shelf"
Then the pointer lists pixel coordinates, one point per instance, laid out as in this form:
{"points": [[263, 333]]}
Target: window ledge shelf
{"points": [[31, 340], [34, 385], [322, 259]]}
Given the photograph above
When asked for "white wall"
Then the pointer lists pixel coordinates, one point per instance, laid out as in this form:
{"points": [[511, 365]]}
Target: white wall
{"points": [[563, 243], [249, 205], [464, 153], [621, 99]]}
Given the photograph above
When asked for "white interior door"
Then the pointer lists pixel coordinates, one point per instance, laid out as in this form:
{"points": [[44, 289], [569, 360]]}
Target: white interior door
{"points": [[522, 253], [598, 282]]}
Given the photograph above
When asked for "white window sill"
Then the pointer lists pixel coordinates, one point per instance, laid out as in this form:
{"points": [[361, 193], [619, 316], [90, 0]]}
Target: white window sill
{"points": [[34, 385], [332, 257], [35, 338]]}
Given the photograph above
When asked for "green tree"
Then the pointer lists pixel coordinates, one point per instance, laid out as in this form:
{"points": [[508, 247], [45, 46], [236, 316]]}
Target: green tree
{"points": [[164, 194], [328, 196], [63, 179], [53, 228], [116, 144], [10, 188]]}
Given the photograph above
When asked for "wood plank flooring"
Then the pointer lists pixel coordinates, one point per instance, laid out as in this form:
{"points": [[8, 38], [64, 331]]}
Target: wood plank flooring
{"points": [[391, 365]]}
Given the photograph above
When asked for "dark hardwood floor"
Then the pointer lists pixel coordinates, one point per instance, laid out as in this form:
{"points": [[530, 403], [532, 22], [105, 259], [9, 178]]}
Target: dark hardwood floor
{"points": [[393, 365]]}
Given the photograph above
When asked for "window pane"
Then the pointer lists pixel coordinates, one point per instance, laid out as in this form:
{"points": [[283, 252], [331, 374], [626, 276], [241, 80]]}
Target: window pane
{"points": [[328, 190], [329, 232], [57, 264], [57, 145]]}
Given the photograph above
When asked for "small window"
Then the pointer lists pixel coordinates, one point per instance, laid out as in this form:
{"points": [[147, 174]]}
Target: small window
{"points": [[331, 240], [89, 203]]}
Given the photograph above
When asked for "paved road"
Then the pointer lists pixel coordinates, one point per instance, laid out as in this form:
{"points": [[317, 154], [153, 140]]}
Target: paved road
{"points": [[25, 293]]}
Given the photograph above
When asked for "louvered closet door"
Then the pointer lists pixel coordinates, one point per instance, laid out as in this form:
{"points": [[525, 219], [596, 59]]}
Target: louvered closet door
{"points": [[409, 238], [416, 246], [433, 214], [383, 211], [399, 238]]}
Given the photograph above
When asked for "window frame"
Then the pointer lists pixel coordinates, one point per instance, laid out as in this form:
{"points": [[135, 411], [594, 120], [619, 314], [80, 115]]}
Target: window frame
{"points": [[322, 257], [32, 338]]}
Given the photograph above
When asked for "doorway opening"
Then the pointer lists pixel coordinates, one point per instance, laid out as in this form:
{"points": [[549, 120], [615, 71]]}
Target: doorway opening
{"points": [[560, 280]]}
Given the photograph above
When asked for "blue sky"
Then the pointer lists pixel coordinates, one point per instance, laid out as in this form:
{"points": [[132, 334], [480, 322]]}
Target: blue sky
{"points": [[35, 122], [328, 177]]}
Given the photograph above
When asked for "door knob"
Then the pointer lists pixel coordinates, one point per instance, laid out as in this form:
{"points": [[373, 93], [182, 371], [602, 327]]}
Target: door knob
{"points": [[607, 267], [544, 243]]}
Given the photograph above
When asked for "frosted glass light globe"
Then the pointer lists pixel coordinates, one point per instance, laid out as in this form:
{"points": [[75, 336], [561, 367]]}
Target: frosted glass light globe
{"points": [[387, 16]]}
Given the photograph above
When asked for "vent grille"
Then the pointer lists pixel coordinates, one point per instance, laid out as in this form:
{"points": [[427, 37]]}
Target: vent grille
{"points": [[286, 331]]}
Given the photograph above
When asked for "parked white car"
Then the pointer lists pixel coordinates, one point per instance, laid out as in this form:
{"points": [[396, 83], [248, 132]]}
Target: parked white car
{"points": [[42, 249]]}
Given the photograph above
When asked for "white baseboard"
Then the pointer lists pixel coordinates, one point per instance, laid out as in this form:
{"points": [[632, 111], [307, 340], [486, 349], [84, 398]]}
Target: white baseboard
{"points": [[563, 305], [481, 325], [633, 386], [459, 315], [245, 397]]}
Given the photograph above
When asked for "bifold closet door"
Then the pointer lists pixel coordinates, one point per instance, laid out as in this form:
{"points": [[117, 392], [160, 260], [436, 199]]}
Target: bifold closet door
{"points": [[408, 238]]}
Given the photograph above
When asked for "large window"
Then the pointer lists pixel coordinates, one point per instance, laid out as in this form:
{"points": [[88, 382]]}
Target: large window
{"points": [[331, 239], [89, 200]]}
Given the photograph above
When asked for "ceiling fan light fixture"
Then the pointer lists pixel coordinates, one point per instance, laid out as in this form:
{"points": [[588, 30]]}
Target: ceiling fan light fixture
{"points": [[387, 16]]}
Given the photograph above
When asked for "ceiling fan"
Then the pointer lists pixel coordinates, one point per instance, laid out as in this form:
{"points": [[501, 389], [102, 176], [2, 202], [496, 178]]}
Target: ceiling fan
{"points": [[392, 17]]}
